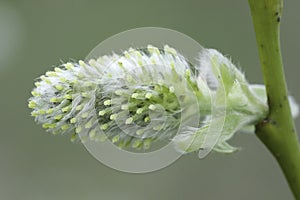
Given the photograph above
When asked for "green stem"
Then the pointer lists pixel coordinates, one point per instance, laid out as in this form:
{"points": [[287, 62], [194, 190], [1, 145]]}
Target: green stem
{"points": [[277, 131]]}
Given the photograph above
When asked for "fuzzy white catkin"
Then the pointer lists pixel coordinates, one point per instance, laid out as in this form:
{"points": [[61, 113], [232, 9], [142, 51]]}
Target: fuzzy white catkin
{"points": [[140, 97]]}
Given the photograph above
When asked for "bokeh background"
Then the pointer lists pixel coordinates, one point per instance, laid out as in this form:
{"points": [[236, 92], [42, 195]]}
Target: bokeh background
{"points": [[37, 34]]}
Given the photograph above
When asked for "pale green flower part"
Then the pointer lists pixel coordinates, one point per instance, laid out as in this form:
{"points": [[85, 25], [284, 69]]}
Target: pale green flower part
{"points": [[137, 98], [246, 104]]}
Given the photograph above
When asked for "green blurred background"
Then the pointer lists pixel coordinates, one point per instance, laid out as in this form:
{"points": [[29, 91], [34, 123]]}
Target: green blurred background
{"points": [[37, 34]]}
